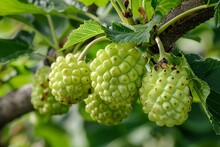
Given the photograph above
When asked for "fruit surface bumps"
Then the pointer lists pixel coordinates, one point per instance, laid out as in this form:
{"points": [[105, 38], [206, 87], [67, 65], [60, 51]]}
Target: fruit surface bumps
{"points": [[42, 98], [107, 113], [70, 79], [117, 72], [165, 95]]}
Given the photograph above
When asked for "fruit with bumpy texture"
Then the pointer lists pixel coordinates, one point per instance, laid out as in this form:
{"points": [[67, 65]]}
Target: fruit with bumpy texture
{"points": [[107, 113], [117, 72], [70, 79], [42, 98], [165, 95]]}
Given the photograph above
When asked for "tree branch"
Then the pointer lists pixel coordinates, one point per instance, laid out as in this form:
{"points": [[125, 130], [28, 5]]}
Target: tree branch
{"points": [[171, 34], [186, 5], [15, 104]]}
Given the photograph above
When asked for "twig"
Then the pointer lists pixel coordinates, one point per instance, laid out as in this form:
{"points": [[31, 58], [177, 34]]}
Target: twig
{"points": [[15, 104]]}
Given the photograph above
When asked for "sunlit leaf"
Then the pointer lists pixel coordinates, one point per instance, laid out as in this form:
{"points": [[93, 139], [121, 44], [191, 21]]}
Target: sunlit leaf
{"points": [[11, 7], [97, 2], [135, 6], [85, 31]]}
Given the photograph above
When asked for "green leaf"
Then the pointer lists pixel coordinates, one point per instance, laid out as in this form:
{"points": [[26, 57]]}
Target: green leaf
{"points": [[26, 19], [209, 71], [208, 2], [163, 6], [135, 5], [217, 15], [26, 37], [12, 48], [132, 34], [85, 31], [53, 135], [154, 4], [97, 2], [11, 7], [200, 91]]}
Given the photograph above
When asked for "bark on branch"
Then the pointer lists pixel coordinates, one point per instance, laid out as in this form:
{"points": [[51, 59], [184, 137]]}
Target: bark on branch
{"points": [[171, 34], [15, 104]]}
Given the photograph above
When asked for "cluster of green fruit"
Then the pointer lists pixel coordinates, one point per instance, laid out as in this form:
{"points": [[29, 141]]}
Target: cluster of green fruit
{"points": [[111, 83]]}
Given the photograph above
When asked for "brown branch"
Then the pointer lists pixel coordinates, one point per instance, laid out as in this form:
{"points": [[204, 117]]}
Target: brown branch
{"points": [[186, 5], [171, 34], [15, 104]]}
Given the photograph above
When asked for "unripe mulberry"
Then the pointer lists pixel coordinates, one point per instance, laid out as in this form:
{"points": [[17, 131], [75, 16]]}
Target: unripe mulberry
{"points": [[117, 72], [165, 95], [42, 98], [70, 79], [107, 113]]}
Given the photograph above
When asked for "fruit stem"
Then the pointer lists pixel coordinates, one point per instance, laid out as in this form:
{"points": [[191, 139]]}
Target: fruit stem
{"points": [[167, 24], [161, 48], [85, 51]]}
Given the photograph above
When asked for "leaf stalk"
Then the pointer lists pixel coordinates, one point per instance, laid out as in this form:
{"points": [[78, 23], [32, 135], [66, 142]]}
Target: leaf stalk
{"points": [[85, 51], [161, 48]]}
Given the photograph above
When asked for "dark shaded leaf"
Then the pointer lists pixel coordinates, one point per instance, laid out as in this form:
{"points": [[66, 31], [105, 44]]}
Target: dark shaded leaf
{"points": [[24, 36], [132, 34], [12, 48], [217, 15], [209, 71]]}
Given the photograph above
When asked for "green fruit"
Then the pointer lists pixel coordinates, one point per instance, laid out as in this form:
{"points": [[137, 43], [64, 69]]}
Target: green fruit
{"points": [[42, 98], [165, 95], [117, 72], [70, 79], [107, 113]]}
